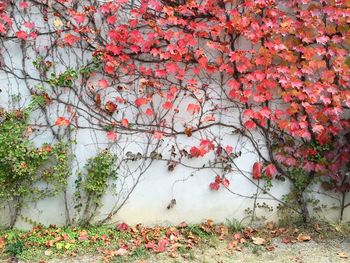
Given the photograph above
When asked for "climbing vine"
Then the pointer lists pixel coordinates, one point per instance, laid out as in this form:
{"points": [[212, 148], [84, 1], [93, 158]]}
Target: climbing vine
{"points": [[28, 173]]}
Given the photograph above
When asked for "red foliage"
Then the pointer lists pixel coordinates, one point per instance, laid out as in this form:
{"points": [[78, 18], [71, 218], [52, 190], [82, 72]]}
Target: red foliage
{"points": [[288, 84], [257, 170]]}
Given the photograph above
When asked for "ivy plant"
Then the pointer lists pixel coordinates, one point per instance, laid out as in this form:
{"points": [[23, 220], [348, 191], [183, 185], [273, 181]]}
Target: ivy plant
{"points": [[28, 173]]}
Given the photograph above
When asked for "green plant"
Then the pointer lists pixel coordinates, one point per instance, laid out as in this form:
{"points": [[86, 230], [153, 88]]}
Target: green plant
{"points": [[234, 225], [99, 170], [65, 79], [14, 248], [28, 173], [140, 253]]}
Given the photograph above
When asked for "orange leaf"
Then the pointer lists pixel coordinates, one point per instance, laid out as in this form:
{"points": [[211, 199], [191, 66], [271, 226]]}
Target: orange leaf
{"points": [[125, 123], [110, 107], [303, 237], [62, 121]]}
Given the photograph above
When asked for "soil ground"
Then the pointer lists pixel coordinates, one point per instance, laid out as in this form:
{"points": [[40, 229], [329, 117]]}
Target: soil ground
{"points": [[328, 251]]}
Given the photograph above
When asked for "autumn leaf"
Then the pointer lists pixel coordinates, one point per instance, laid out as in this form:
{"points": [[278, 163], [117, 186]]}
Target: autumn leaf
{"points": [[303, 237], [22, 35], [149, 112], [343, 255], [250, 124], [57, 23], [140, 101], [214, 186], [83, 235], [225, 182], [258, 241], [257, 170], [112, 136], [125, 123], [23, 4], [110, 107], [188, 131], [167, 105], [158, 135], [122, 227], [2, 242], [70, 39], [121, 252], [103, 83], [98, 100], [193, 108], [62, 122], [270, 170]]}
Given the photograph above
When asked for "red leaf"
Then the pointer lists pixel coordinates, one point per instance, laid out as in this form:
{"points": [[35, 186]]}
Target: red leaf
{"points": [[111, 20], [70, 39], [125, 122], [150, 245], [21, 35], [112, 136], [23, 5], [158, 135], [197, 152], [103, 83], [162, 243], [193, 108], [140, 101], [62, 121], [228, 149], [149, 112], [29, 25], [257, 170], [270, 171], [122, 227], [207, 145], [218, 179], [167, 105], [250, 124], [233, 84], [225, 182], [214, 186]]}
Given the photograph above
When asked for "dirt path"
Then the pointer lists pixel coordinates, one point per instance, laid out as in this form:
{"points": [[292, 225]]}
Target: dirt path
{"points": [[306, 252]]}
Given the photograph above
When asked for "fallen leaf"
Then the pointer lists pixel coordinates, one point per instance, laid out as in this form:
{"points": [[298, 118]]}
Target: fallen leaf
{"points": [[2, 242], [270, 225], [303, 238], [237, 236], [286, 240], [67, 246], [270, 248], [83, 236], [343, 255], [242, 240], [232, 244], [121, 252], [258, 241]]}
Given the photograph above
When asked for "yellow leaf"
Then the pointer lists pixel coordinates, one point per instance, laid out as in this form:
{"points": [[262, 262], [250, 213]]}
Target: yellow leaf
{"points": [[67, 246], [57, 23], [59, 246]]}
